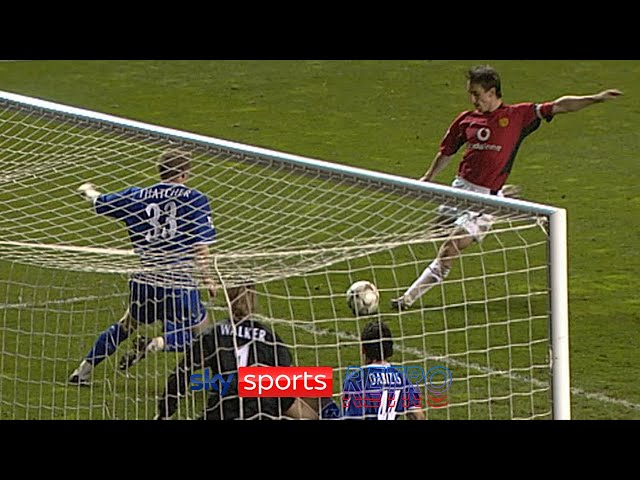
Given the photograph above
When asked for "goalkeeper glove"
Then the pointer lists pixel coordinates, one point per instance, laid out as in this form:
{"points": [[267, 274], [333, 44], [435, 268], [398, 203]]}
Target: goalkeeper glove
{"points": [[88, 192]]}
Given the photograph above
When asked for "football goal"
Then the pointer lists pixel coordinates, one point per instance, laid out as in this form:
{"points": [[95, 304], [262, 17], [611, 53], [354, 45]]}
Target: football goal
{"points": [[304, 230]]}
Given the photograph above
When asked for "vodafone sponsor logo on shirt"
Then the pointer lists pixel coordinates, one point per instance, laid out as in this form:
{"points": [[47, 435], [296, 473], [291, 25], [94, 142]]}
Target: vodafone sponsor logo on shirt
{"points": [[485, 146], [483, 134]]}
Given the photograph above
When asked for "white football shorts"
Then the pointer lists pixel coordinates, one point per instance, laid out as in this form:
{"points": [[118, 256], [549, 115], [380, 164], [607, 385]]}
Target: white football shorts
{"points": [[476, 224]]}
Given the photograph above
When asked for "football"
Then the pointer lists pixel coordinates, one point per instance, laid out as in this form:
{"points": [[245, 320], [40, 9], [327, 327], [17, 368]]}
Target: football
{"points": [[363, 298]]}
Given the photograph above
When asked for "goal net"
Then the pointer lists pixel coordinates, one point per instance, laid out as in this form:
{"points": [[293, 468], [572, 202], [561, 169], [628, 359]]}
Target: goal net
{"points": [[304, 230]]}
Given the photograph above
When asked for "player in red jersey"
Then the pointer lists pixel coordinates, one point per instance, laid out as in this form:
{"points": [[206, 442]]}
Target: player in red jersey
{"points": [[493, 133]]}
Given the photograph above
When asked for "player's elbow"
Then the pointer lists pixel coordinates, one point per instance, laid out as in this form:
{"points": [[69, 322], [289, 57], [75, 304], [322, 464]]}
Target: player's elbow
{"points": [[570, 103]]}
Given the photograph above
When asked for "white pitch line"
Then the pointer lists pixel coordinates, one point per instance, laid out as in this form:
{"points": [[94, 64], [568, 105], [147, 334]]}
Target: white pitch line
{"points": [[349, 336], [62, 301]]}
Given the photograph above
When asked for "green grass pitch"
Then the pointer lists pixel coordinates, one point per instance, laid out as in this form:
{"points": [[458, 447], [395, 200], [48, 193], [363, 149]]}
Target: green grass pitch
{"points": [[387, 116]]}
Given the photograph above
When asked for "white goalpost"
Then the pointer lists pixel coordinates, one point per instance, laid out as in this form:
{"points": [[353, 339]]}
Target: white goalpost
{"points": [[303, 230]]}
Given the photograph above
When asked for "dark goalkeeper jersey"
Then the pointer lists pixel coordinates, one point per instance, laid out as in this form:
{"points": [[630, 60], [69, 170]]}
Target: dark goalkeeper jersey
{"points": [[493, 140], [257, 345]]}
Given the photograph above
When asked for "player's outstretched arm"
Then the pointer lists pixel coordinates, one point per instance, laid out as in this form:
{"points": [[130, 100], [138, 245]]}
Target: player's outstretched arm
{"points": [[573, 103], [88, 192], [438, 164]]}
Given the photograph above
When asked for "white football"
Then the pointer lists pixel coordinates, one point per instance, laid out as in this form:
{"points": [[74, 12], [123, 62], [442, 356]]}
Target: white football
{"points": [[363, 298]]}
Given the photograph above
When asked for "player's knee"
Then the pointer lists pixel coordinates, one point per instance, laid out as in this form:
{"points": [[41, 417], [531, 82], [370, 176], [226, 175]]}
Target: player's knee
{"points": [[511, 191], [451, 248]]}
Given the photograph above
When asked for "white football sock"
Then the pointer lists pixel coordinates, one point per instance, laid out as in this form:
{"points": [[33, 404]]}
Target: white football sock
{"points": [[434, 274]]}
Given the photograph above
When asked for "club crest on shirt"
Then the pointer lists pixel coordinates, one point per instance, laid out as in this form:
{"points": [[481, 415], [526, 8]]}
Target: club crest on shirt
{"points": [[503, 122]]}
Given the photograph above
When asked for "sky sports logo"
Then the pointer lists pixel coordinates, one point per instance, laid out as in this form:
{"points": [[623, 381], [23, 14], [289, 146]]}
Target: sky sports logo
{"points": [[317, 382], [269, 382]]}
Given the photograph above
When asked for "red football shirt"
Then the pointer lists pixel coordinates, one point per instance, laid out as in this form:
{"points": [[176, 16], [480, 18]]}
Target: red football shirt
{"points": [[492, 140]]}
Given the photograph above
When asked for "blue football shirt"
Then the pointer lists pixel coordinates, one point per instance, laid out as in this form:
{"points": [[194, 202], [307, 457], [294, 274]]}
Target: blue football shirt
{"points": [[378, 392], [164, 221]]}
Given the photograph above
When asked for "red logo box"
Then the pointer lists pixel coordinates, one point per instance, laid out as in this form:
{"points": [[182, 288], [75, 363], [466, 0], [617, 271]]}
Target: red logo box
{"points": [[271, 382]]}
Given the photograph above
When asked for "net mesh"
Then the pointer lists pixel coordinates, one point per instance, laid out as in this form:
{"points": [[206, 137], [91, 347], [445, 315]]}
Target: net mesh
{"points": [[302, 234]]}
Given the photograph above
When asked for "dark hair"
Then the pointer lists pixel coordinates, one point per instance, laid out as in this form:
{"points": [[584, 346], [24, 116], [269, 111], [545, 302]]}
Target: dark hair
{"points": [[173, 164], [487, 77], [376, 342], [243, 299]]}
